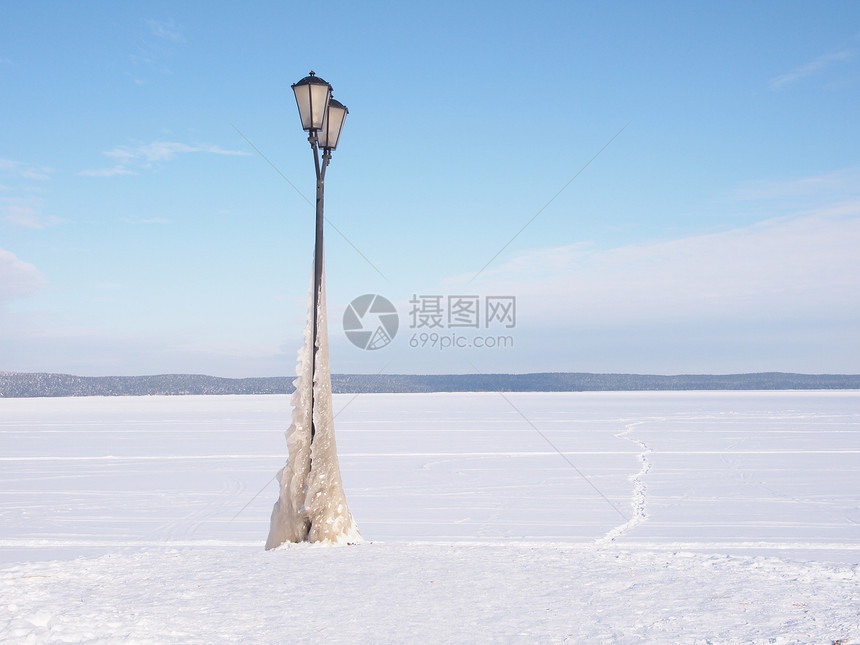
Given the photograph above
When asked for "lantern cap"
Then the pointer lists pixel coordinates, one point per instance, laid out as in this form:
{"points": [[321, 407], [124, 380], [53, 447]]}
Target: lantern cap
{"points": [[335, 103], [311, 79]]}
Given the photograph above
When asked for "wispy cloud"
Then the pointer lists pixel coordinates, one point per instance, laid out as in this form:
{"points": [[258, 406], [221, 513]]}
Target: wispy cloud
{"points": [[805, 267], [18, 279], [158, 44], [21, 211], [23, 170], [809, 69], [131, 159], [802, 264], [107, 172], [25, 212], [165, 151], [19, 205], [802, 193], [165, 30]]}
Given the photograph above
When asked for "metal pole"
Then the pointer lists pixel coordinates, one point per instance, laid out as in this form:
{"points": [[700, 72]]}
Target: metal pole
{"points": [[318, 261]]}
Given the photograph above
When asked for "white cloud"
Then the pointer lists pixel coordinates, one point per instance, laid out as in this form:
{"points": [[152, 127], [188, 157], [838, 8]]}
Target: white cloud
{"points": [[165, 30], [25, 212], [783, 293], [803, 267], [18, 206], [107, 172], [22, 170], [18, 279], [831, 187], [809, 69], [143, 156], [159, 42], [165, 151]]}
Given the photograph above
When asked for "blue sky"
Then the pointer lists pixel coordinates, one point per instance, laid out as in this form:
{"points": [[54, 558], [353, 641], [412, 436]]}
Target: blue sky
{"points": [[687, 174]]}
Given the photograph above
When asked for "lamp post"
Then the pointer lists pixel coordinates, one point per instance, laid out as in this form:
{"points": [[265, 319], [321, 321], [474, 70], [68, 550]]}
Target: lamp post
{"points": [[311, 503], [322, 118]]}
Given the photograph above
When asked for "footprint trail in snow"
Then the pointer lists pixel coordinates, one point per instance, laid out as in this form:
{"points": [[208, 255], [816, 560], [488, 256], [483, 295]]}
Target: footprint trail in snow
{"points": [[639, 501]]}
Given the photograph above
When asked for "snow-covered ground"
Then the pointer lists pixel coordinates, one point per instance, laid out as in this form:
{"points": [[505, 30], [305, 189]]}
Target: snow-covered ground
{"points": [[654, 517]]}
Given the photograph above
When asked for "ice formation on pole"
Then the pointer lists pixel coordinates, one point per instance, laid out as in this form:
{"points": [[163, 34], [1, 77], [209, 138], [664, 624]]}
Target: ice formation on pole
{"points": [[312, 505]]}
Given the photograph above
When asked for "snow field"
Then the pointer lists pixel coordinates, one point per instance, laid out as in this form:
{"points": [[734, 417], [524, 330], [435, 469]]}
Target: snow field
{"points": [[581, 517], [445, 593]]}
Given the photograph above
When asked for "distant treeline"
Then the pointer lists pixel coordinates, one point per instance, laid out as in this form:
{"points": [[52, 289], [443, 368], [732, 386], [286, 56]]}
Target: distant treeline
{"points": [[15, 384], [584, 382]]}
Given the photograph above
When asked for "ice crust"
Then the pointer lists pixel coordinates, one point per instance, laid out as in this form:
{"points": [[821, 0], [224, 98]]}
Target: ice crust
{"points": [[312, 505]]}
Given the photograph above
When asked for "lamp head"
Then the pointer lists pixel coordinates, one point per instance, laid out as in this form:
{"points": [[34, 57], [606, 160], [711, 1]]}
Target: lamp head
{"points": [[312, 97], [332, 124]]}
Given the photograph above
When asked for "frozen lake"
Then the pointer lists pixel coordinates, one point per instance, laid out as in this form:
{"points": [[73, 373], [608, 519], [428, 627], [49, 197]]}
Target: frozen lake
{"points": [[622, 518], [731, 472]]}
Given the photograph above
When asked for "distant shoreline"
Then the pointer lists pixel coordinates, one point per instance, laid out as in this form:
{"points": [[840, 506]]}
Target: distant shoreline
{"points": [[23, 385]]}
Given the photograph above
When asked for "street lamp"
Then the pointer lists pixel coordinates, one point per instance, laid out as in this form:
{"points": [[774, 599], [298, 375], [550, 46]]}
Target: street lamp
{"points": [[322, 118], [312, 97], [311, 504], [332, 124]]}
